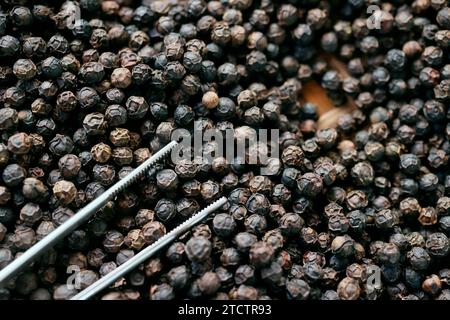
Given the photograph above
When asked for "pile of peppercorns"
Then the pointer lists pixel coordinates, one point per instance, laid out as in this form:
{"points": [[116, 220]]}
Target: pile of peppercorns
{"points": [[360, 211]]}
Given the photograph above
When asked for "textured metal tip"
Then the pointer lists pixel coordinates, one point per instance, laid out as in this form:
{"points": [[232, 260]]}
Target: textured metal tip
{"points": [[139, 258]]}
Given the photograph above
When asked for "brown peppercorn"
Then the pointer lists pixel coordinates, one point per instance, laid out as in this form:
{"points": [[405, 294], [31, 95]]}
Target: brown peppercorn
{"points": [[65, 191], [19, 143], [110, 7], [348, 289], [238, 35], [3, 231], [152, 267], [135, 239], [101, 152], [144, 216], [34, 189], [412, 48], [432, 285], [86, 278], [95, 123], [69, 166], [113, 241], [24, 69], [245, 293], [410, 207], [66, 101], [428, 216], [64, 292], [30, 213], [120, 137], [122, 156], [24, 237], [210, 100], [121, 78], [221, 33], [44, 228], [135, 140], [210, 190], [343, 246], [260, 254], [292, 156], [257, 40], [247, 99], [78, 259], [209, 283], [140, 155], [152, 231], [9, 118], [443, 206]]}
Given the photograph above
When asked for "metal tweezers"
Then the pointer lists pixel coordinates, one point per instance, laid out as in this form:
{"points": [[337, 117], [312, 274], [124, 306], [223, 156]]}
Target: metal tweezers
{"points": [[88, 211]]}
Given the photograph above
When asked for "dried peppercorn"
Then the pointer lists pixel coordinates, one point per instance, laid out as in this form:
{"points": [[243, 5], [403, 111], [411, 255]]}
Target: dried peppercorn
{"points": [[224, 225], [310, 184], [260, 254], [94, 123], [165, 209], [30, 213], [179, 277], [297, 289], [198, 249], [348, 289], [19, 143], [210, 100]]}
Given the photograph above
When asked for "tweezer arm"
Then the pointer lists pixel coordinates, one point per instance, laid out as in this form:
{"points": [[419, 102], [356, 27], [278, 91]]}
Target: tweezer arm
{"points": [[81, 216], [143, 255]]}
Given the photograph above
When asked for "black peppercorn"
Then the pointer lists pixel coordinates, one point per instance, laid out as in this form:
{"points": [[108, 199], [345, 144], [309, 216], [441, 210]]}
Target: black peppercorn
{"points": [[290, 224], [198, 249], [179, 277], [9, 46], [418, 258], [310, 184], [437, 245], [260, 254], [258, 203], [13, 175], [51, 68], [209, 190], [297, 289], [94, 123], [136, 107], [165, 209], [362, 173], [64, 191], [152, 231], [19, 143]]}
